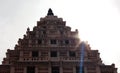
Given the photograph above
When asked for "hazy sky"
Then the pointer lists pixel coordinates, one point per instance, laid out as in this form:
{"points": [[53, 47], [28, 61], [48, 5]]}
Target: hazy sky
{"points": [[98, 22]]}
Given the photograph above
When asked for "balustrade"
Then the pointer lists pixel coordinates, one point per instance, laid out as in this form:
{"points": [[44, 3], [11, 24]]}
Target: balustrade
{"points": [[50, 59]]}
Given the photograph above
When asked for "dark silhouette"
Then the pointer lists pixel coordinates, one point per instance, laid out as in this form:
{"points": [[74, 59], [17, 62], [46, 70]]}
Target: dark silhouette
{"points": [[50, 12]]}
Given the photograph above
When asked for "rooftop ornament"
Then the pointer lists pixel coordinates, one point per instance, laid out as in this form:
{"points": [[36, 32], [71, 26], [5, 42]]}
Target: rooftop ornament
{"points": [[50, 12]]}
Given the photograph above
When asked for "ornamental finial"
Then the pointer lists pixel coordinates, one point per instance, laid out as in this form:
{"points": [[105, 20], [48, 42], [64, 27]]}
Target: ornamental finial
{"points": [[50, 12]]}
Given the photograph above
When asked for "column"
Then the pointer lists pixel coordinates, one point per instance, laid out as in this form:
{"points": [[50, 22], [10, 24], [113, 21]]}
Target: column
{"points": [[67, 55], [30, 54], [12, 69], [49, 68], [21, 56], [74, 69], [49, 55], [61, 69], [25, 70], [58, 54], [98, 69], [85, 69], [36, 69], [39, 53]]}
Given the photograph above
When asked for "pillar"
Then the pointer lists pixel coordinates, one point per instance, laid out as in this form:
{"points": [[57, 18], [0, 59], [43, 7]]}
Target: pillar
{"points": [[49, 68], [85, 69], [12, 69], [74, 69], [61, 69], [36, 69], [25, 70], [98, 69]]}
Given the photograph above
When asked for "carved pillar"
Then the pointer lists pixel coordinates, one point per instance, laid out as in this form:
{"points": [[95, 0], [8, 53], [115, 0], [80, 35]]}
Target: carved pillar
{"points": [[49, 58], [39, 53], [12, 69], [58, 53], [49, 68], [74, 69], [36, 69], [98, 69], [25, 70], [61, 67], [85, 69], [21, 56], [67, 54], [30, 55]]}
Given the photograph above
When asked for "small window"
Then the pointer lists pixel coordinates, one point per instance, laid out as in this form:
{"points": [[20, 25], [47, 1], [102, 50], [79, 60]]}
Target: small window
{"points": [[39, 41], [79, 70], [43, 32], [35, 54], [53, 53], [66, 42], [61, 32], [31, 69], [44, 27], [55, 70], [72, 54], [53, 41]]}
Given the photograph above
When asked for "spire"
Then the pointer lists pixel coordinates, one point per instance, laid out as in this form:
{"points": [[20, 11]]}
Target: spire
{"points": [[50, 12]]}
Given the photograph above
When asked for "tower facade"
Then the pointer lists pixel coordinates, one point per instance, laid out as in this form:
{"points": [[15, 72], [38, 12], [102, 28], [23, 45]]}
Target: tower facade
{"points": [[51, 47]]}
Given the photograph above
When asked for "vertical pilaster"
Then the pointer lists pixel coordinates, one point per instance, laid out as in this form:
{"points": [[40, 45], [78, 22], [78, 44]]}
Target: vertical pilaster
{"points": [[21, 56], [74, 69], [30, 55], [98, 69], [25, 70], [58, 53], [61, 69], [85, 70], [12, 69], [36, 69], [49, 55], [49, 68], [39, 53], [67, 53]]}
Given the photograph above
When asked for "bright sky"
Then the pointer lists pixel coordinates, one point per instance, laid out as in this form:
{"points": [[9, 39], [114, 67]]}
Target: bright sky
{"points": [[97, 21]]}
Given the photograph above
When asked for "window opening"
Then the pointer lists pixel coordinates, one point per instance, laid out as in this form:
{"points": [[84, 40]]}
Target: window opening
{"points": [[66, 42], [43, 32], [44, 27], [61, 32], [31, 69], [35, 54], [53, 53], [39, 41], [78, 70], [53, 41], [55, 70], [72, 53]]}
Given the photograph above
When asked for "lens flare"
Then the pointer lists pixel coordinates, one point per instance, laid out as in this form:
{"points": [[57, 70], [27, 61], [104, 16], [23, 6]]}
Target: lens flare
{"points": [[82, 57]]}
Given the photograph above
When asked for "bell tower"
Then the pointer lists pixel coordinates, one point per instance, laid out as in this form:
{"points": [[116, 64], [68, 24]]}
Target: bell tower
{"points": [[52, 47]]}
